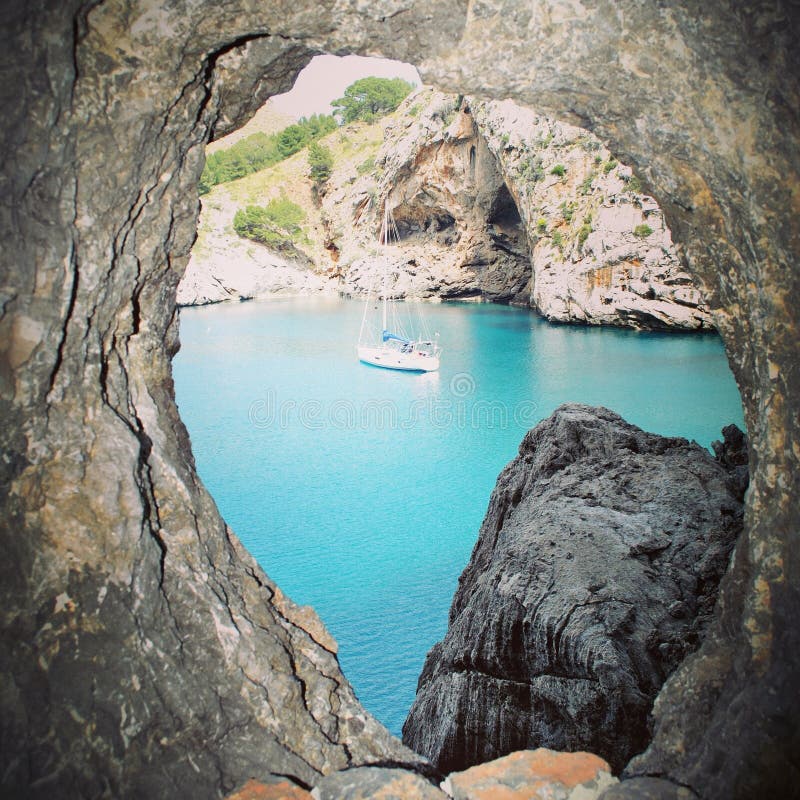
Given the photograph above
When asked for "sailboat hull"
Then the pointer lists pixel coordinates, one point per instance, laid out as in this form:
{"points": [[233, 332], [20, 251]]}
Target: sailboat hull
{"points": [[394, 359]]}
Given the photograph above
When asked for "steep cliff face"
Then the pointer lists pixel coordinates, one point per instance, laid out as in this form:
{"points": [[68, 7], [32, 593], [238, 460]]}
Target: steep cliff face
{"points": [[594, 575], [496, 202], [227, 267], [603, 253], [108, 108], [460, 233], [480, 216]]}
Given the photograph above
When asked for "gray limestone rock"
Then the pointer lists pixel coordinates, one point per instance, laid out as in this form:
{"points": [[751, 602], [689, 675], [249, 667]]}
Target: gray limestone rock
{"points": [[594, 575], [108, 105], [479, 212], [600, 250], [368, 783], [647, 789]]}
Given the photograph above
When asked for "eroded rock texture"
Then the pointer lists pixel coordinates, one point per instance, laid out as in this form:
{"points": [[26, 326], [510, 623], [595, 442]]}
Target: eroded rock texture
{"points": [[600, 250], [461, 235], [482, 215], [144, 652], [595, 574], [118, 571]]}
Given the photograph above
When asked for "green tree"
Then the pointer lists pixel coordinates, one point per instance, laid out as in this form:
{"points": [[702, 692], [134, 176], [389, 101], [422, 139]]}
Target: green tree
{"points": [[278, 224], [320, 161], [260, 150], [369, 98]]}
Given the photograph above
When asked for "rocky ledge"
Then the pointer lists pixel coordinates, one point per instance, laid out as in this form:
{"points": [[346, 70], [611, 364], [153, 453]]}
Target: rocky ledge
{"points": [[535, 774], [594, 575]]}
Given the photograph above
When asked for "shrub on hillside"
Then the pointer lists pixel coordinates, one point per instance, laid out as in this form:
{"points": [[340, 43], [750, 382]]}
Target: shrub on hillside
{"points": [[320, 162], [261, 150], [277, 225]]}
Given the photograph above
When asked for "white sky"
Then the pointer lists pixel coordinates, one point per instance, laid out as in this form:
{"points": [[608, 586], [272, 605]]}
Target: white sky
{"points": [[326, 78]]}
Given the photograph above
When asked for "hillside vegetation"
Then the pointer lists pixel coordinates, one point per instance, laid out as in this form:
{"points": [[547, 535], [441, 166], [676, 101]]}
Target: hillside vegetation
{"points": [[259, 150], [350, 146]]}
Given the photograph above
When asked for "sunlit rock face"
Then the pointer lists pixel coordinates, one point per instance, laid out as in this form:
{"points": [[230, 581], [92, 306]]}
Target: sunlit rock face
{"points": [[142, 650], [458, 232], [496, 202], [601, 252]]}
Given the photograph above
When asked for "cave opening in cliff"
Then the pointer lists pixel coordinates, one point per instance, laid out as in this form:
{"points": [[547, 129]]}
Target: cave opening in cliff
{"points": [[471, 199], [504, 211], [147, 648], [473, 188]]}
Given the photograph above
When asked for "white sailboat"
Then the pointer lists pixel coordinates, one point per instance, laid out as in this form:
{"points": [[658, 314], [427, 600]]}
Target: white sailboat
{"points": [[396, 346]]}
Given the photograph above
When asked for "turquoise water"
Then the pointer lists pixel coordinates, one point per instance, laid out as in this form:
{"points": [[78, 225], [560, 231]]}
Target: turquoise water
{"points": [[360, 491]]}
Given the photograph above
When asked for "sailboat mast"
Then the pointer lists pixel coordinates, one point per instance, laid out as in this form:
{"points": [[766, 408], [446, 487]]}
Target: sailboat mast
{"points": [[386, 244]]}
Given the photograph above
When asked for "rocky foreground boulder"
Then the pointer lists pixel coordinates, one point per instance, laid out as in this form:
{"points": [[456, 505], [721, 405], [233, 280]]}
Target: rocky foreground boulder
{"points": [[594, 575]]}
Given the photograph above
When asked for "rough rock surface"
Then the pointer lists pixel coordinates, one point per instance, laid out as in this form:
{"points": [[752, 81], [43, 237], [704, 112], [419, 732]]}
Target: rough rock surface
{"points": [[283, 790], [601, 251], [647, 789], [234, 269], [376, 783], [461, 236], [108, 106], [243, 271], [225, 266], [145, 653], [533, 775], [594, 575], [478, 213]]}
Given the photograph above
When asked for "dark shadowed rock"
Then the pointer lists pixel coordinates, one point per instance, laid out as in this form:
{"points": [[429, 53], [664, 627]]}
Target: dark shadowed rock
{"points": [[594, 575], [731, 452], [648, 789]]}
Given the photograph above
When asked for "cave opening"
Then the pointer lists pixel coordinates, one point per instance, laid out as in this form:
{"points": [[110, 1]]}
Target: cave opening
{"points": [[121, 558], [501, 259], [504, 211]]}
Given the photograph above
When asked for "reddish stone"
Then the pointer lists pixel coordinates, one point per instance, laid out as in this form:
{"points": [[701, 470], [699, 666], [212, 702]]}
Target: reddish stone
{"points": [[255, 790], [533, 775]]}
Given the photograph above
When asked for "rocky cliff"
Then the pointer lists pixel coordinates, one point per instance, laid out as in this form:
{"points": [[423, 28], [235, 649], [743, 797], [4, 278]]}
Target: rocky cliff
{"points": [[601, 250], [461, 236], [496, 202], [226, 266], [480, 216], [108, 108], [594, 575]]}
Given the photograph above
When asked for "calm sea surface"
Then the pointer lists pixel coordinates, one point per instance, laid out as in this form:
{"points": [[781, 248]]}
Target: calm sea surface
{"points": [[360, 491]]}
